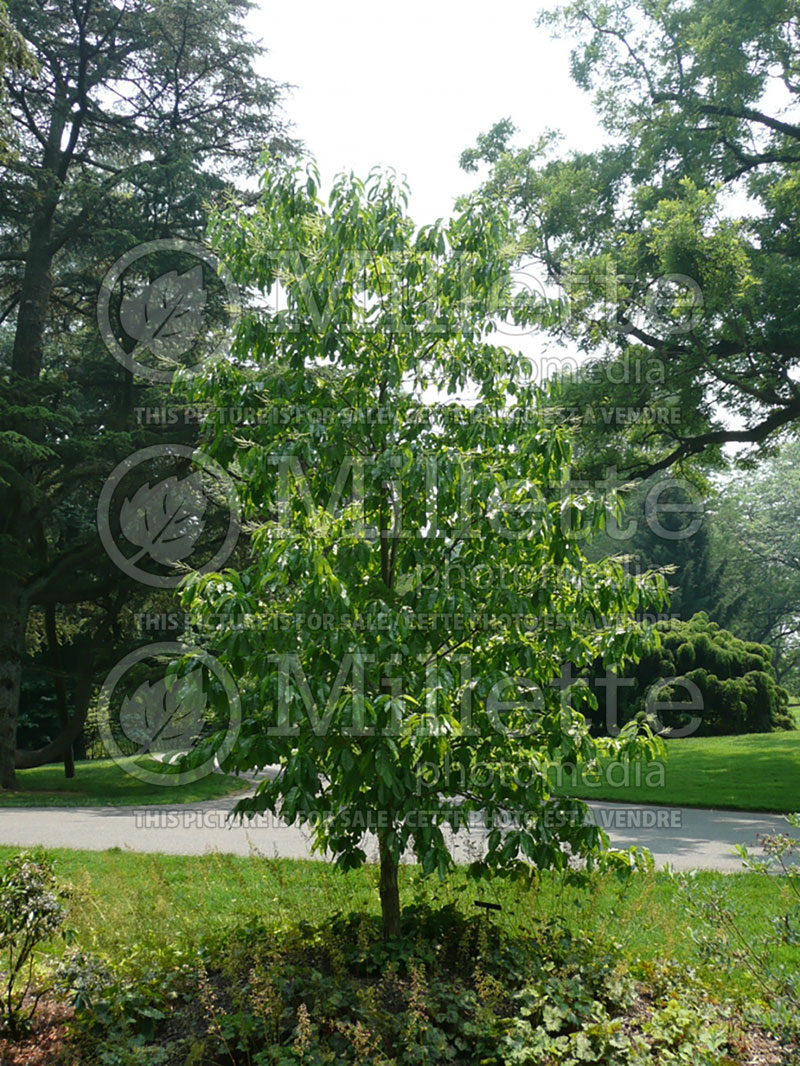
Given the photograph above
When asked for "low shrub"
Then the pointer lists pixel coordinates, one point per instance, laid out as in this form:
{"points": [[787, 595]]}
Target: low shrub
{"points": [[32, 910], [724, 941]]}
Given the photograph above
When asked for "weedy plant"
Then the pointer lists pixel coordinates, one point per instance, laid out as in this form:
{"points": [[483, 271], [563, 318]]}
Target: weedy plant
{"points": [[725, 940]]}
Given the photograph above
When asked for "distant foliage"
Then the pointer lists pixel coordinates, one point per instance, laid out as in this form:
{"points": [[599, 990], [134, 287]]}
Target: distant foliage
{"points": [[735, 680], [680, 88]]}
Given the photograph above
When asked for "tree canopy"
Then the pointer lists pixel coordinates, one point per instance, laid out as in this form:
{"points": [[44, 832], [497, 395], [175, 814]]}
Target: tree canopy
{"points": [[14, 56], [675, 246]]}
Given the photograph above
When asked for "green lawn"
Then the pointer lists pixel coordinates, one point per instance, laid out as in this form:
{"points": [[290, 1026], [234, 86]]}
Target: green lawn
{"points": [[166, 903], [757, 772], [104, 783]]}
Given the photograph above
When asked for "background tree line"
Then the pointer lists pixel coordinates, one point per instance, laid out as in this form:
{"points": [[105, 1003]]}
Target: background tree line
{"points": [[122, 123], [126, 122], [675, 254]]}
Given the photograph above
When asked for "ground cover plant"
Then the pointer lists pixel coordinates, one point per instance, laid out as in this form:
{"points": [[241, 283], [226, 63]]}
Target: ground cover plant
{"points": [[205, 959]]}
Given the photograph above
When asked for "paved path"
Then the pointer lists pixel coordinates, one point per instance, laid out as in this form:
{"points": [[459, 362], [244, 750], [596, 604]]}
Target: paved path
{"points": [[684, 837]]}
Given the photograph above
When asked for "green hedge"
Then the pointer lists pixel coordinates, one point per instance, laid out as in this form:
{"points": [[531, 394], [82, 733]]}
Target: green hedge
{"points": [[735, 679]]}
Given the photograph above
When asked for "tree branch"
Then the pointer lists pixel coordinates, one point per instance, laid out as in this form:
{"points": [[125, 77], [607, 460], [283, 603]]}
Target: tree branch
{"points": [[695, 445]]}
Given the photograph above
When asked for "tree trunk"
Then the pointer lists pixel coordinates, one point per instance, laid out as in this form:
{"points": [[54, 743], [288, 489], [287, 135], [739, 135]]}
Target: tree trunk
{"points": [[389, 892], [34, 304], [13, 612], [58, 683], [26, 360], [56, 749]]}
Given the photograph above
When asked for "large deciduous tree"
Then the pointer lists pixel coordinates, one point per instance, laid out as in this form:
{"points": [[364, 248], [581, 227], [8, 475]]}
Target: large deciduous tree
{"points": [[140, 112], [676, 244], [415, 582]]}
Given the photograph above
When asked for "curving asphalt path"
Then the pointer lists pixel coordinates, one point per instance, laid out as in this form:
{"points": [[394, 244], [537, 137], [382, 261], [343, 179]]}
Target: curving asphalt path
{"points": [[684, 837]]}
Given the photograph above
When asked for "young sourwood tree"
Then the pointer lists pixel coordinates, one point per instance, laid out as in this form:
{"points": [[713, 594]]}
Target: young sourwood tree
{"points": [[416, 582]]}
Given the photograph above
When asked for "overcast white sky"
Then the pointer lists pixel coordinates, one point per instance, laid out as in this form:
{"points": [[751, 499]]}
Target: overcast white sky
{"points": [[411, 85]]}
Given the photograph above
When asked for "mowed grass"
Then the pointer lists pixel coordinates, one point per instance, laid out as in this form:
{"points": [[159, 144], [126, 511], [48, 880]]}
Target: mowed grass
{"points": [[126, 903], [106, 783], [756, 772]]}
